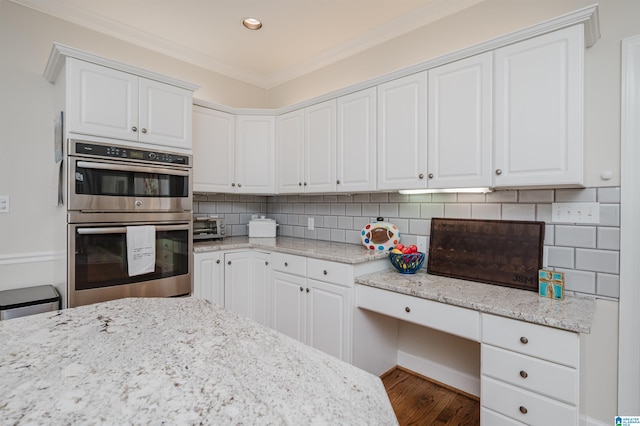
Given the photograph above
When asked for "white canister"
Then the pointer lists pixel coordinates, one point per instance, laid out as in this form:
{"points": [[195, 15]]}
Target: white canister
{"points": [[262, 227]]}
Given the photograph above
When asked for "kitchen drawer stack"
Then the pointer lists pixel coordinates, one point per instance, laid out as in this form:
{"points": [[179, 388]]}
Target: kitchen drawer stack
{"points": [[529, 374]]}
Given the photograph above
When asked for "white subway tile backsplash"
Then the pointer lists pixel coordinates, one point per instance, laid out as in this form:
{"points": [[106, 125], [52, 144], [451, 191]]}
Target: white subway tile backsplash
{"points": [[561, 257], [457, 211], [588, 254], [608, 285], [580, 281], [389, 210], [409, 210], [608, 238], [586, 195], [486, 211], [575, 236], [598, 260], [609, 215], [518, 212], [502, 197], [427, 211]]}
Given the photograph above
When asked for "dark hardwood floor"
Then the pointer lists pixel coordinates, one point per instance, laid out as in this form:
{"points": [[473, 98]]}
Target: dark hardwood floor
{"points": [[417, 400]]}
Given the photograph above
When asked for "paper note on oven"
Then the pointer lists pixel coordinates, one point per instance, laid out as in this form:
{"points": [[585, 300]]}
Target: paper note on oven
{"points": [[141, 249]]}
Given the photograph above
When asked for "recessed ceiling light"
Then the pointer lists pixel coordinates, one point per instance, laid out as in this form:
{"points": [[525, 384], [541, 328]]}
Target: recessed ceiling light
{"points": [[252, 23]]}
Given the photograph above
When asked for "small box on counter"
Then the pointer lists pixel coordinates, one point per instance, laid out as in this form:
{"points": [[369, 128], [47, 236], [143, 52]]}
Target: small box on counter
{"points": [[551, 284]]}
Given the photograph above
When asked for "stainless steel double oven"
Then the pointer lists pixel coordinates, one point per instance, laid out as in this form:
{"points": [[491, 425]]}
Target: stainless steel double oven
{"points": [[112, 189]]}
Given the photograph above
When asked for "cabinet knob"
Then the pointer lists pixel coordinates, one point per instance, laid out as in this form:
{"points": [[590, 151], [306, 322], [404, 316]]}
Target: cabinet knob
{"points": [[523, 374], [407, 309], [266, 263], [524, 340], [305, 184], [233, 184], [218, 261], [229, 262], [523, 409], [421, 176], [239, 185], [144, 130], [338, 182], [286, 264], [430, 175], [134, 128], [301, 289], [498, 172], [299, 183], [307, 289], [324, 272]]}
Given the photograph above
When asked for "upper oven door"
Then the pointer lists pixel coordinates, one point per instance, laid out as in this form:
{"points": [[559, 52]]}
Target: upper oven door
{"points": [[108, 186]]}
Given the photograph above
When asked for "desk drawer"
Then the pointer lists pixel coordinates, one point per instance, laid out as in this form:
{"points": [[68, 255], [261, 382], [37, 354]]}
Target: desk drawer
{"points": [[440, 316], [332, 272], [526, 407], [534, 340], [289, 263], [553, 380]]}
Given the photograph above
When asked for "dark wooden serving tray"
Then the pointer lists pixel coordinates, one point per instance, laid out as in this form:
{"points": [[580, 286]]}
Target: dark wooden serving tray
{"points": [[502, 252]]}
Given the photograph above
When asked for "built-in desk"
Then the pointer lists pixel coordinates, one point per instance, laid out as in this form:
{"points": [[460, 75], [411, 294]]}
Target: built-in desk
{"points": [[530, 346]]}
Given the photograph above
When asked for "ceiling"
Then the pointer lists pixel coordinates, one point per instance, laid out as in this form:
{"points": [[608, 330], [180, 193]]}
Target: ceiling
{"points": [[298, 36]]}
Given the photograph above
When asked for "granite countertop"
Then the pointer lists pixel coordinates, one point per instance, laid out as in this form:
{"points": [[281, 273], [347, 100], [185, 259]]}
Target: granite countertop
{"points": [[174, 361], [335, 252], [573, 313]]}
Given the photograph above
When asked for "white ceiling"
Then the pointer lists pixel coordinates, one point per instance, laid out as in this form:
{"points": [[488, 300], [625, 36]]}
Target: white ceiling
{"points": [[298, 36]]}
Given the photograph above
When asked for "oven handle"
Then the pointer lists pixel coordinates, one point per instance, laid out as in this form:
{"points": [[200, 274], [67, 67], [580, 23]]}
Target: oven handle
{"points": [[123, 229], [131, 168]]}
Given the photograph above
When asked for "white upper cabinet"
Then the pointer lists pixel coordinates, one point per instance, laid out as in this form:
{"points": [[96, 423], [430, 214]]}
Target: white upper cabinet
{"points": [[356, 142], [290, 151], [255, 154], [539, 111], [306, 149], [459, 144], [109, 103], [402, 133], [320, 147], [214, 150]]}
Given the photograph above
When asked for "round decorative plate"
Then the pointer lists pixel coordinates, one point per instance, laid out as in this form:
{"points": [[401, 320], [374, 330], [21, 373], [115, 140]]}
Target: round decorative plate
{"points": [[380, 236]]}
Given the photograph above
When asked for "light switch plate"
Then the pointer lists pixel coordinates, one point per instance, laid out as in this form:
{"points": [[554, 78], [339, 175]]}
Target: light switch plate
{"points": [[4, 204], [575, 212], [310, 224], [422, 244]]}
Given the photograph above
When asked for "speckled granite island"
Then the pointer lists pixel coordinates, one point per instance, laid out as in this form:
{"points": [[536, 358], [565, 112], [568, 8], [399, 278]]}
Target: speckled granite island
{"points": [[174, 361]]}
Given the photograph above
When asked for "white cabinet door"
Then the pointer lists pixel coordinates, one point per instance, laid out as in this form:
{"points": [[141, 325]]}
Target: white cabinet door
{"points": [[237, 283], [165, 114], [101, 101], [261, 283], [329, 319], [402, 138], [289, 305], [539, 110], [356, 142], [320, 147], [208, 277], [290, 152], [460, 144], [255, 154], [213, 150]]}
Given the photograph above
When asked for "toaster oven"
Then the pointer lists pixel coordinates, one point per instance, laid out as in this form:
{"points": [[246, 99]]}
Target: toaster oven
{"points": [[207, 227]]}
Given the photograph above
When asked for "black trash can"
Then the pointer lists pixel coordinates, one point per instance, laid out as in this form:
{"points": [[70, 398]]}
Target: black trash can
{"points": [[21, 302]]}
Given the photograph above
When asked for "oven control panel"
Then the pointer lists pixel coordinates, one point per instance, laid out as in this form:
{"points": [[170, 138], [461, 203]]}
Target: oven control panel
{"points": [[127, 153]]}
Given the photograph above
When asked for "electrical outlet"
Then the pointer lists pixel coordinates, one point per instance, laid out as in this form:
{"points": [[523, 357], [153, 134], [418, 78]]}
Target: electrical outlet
{"points": [[421, 242], [310, 224], [4, 204], [575, 212]]}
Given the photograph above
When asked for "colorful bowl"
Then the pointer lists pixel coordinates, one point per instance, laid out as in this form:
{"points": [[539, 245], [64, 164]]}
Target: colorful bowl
{"points": [[407, 263]]}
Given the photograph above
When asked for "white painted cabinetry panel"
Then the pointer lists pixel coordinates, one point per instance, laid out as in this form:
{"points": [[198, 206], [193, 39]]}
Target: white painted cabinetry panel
{"points": [[214, 150], [255, 154], [208, 277], [290, 151], [320, 147]]}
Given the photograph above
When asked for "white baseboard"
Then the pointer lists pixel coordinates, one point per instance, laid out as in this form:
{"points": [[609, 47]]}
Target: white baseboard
{"points": [[465, 382], [588, 421], [37, 257]]}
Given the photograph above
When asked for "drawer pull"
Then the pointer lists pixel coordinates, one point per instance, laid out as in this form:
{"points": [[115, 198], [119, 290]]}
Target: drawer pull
{"points": [[324, 272], [218, 261], [286, 264], [228, 262], [407, 309], [523, 409], [524, 340], [523, 374], [301, 289]]}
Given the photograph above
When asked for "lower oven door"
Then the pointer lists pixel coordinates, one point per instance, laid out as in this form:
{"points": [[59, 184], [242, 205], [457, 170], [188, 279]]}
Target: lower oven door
{"points": [[98, 268]]}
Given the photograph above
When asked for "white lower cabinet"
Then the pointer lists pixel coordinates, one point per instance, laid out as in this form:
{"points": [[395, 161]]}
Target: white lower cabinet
{"points": [[208, 277], [530, 373], [315, 312], [247, 284]]}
